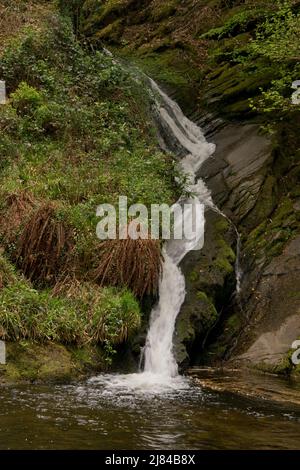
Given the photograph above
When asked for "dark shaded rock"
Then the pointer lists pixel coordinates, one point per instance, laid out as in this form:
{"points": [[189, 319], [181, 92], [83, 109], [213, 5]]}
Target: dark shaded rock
{"points": [[210, 280]]}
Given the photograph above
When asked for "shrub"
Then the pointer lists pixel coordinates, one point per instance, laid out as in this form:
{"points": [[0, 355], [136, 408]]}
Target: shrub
{"points": [[239, 23], [26, 99], [77, 314]]}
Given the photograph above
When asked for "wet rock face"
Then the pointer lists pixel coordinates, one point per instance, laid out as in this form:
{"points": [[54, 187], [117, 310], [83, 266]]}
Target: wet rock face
{"points": [[236, 175], [275, 311], [246, 184], [210, 280], [238, 170], [260, 328]]}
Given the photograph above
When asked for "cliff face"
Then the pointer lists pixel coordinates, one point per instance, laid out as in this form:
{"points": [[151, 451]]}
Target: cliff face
{"points": [[199, 51]]}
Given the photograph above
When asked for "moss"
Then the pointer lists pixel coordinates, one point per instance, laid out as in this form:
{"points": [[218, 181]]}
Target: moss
{"points": [[195, 319], [270, 237], [266, 203], [171, 68], [193, 276], [284, 367], [230, 86], [233, 323], [225, 256], [27, 361], [235, 23], [112, 31], [203, 312], [31, 362], [97, 14], [164, 10]]}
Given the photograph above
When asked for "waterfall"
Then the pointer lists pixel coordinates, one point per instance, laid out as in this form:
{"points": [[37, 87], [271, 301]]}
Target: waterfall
{"points": [[159, 358], [183, 136]]}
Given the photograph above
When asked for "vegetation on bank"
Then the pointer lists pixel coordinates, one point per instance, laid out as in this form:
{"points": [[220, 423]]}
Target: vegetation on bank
{"points": [[73, 313], [76, 132]]}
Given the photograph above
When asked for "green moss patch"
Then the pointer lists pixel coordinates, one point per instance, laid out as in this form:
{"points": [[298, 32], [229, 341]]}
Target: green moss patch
{"points": [[27, 361]]}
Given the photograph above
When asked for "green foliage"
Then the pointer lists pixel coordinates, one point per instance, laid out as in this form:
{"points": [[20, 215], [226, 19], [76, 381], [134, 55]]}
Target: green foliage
{"points": [[77, 130], [88, 316], [74, 133], [270, 237], [278, 37], [26, 99], [237, 24], [114, 319], [277, 41], [256, 58]]}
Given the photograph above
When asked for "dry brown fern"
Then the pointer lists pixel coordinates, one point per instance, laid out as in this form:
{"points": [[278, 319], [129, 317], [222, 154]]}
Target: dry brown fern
{"points": [[17, 207], [135, 264], [44, 245]]}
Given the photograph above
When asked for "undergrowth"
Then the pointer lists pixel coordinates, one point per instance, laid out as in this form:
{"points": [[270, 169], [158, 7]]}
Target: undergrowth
{"points": [[75, 132], [72, 314]]}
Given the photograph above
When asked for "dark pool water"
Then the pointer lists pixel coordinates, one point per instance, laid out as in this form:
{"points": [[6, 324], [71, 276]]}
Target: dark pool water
{"points": [[94, 415]]}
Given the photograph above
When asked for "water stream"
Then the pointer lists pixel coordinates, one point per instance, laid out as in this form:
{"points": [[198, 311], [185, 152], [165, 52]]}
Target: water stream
{"points": [[159, 357], [102, 414]]}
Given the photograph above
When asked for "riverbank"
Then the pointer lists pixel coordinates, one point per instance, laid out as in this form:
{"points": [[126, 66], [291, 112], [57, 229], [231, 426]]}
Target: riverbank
{"points": [[248, 383]]}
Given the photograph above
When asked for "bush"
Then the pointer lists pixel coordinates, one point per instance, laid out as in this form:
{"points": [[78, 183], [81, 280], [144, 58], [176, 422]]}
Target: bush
{"points": [[88, 315], [277, 40], [239, 23], [26, 99]]}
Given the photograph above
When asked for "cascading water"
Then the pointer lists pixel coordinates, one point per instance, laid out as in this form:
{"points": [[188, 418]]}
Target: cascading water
{"points": [[159, 358]]}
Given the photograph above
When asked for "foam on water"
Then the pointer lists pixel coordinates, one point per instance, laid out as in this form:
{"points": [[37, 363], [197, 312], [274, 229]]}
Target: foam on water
{"points": [[146, 383]]}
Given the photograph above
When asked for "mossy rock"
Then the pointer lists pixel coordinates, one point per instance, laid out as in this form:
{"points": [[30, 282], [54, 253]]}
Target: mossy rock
{"points": [[210, 279], [266, 203], [198, 317], [163, 10], [27, 361], [112, 32], [171, 68], [269, 238], [284, 367], [230, 86]]}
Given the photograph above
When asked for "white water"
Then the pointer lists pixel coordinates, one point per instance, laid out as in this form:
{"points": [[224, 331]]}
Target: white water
{"points": [[159, 358]]}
